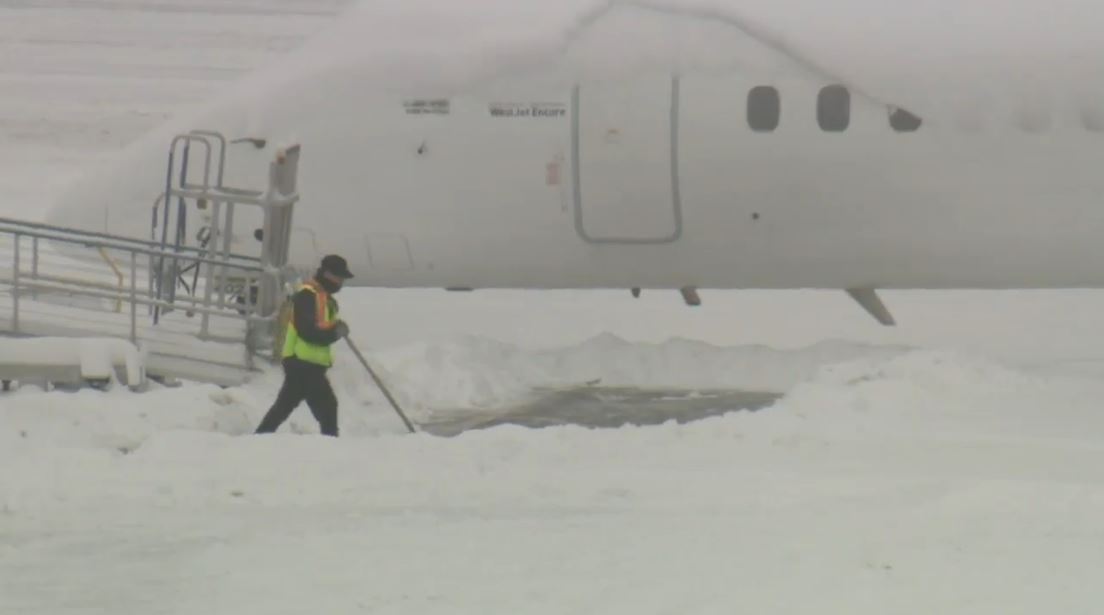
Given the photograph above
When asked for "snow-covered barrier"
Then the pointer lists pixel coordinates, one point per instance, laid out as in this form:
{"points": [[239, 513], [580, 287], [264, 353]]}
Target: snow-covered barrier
{"points": [[71, 360]]}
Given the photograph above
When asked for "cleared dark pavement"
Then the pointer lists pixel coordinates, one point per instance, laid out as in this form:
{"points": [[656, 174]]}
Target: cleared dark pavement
{"points": [[603, 407]]}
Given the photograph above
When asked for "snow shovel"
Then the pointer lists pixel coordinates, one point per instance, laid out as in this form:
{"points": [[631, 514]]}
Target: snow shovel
{"points": [[380, 384]]}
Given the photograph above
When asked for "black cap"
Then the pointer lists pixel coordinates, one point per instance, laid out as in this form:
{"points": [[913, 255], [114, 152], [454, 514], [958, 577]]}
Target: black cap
{"points": [[337, 266]]}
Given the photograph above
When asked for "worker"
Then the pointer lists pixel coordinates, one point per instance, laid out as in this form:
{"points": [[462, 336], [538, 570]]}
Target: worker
{"points": [[312, 330]]}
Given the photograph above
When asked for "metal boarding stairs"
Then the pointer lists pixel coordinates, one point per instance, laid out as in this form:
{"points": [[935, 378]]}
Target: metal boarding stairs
{"points": [[198, 310]]}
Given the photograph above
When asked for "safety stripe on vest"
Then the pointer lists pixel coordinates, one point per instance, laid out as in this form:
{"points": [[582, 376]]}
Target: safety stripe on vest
{"points": [[321, 306]]}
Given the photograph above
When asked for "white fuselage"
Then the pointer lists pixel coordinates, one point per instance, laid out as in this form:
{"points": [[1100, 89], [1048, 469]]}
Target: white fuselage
{"points": [[628, 158]]}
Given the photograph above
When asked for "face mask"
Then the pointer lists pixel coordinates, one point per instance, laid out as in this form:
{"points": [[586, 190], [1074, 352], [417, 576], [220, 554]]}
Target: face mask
{"points": [[330, 287]]}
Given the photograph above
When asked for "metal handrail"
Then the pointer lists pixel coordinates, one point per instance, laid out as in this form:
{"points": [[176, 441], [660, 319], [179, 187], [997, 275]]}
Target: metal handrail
{"points": [[27, 227], [32, 229], [246, 290], [38, 281], [222, 150], [121, 246], [113, 296]]}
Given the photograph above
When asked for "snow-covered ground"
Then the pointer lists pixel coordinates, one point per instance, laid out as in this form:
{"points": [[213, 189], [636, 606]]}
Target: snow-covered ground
{"points": [[954, 464], [920, 484]]}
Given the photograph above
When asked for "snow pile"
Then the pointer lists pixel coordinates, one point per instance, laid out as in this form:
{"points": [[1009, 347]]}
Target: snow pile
{"points": [[941, 393], [916, 483], [428, 379], [832, 388], [473, 372], [89, 358], [118, 420]]}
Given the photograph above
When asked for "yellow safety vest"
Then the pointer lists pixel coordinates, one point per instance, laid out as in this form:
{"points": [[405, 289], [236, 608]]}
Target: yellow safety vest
{"points": [[295, 346]]}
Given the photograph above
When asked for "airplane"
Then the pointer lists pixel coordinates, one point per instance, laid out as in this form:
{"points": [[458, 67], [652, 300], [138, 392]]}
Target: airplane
{"points": [[673, 145]]}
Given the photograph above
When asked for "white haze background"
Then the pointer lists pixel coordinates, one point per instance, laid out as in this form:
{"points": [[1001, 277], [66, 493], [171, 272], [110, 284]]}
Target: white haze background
{"points": [[952, 464]]}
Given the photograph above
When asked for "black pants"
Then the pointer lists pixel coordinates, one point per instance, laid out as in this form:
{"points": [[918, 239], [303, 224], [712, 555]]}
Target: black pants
{"points": [[303, 381]]}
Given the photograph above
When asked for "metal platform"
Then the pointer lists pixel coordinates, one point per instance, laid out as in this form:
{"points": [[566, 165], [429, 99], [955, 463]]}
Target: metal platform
{"points": [[199, 311]]}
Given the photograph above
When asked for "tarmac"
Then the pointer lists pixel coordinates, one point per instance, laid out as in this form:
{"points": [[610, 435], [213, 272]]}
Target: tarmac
{"points": [[603, 408]]}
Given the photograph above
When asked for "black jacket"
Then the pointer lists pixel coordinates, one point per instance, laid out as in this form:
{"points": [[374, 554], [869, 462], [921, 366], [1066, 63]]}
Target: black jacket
{"points": [[306, 318]]}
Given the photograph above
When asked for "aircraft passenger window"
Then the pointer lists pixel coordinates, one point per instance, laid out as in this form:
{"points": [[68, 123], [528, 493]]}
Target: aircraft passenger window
{"points": [[834, 108], [764, 107], [903, 121]]}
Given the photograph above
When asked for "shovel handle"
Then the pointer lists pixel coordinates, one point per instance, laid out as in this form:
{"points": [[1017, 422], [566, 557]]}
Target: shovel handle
{"points": [[379, 383]]}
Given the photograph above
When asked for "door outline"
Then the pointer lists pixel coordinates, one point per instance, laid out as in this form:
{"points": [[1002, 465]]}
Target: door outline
{"points": [[676, 199]]}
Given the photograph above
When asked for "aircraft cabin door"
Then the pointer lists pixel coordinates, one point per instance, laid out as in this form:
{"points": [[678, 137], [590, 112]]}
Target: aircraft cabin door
{"points": [[625, 144]]}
